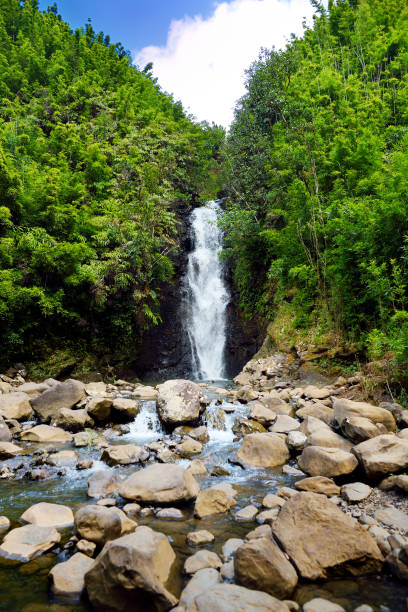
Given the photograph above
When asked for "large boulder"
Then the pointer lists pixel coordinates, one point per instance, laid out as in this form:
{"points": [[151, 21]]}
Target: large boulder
{"points": [[100, 408], [16, 406], [263, 450], [260, 564], [179, 401], [123, 454], [160, 484], [345, 408], [61, 395], [26, 543], [46, 433], [131, 572], [68, 578], [103, 484], [382, 455], [124, 410], [321, 540], [358, 429], [49, 515], [98, 524], [329, 462]]}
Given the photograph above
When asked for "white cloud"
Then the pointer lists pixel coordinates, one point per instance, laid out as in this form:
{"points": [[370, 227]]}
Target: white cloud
{"points": [[204, 60]]}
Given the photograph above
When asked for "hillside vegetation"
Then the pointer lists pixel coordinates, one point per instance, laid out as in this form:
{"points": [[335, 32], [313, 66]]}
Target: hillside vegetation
{"points": [[317, 163], [94, 163]]}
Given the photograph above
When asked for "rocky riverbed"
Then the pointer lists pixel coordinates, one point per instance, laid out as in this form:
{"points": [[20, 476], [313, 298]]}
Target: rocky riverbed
{"points": [[273, 493]]}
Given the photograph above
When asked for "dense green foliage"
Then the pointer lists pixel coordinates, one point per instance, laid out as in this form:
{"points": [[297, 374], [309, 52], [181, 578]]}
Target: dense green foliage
{"points": [[94, 163], [317, 162]]}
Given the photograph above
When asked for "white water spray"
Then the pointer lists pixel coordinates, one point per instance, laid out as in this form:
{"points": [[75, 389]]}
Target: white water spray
{"points": [[207, 295]]}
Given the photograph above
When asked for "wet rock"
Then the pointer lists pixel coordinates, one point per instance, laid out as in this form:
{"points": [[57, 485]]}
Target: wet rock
{"points": [[189, 447], [106, 501], [4, 524], [178, 402], [397, 562], [243, 426], [246, 514], [322, 605], [100, 408], [8, 450], [382, 455], [261, 565], [227, 571], [296, 440], [395, 482], [86, 547], [355, 492], [160, 484], [329, 462], [64, 458], [262, 414], [263, 450], [284, 424], [211, 501], [131, 572], [49, 515], [45, 433], [318, 484], [230, 547], [16, 406], [200, 537], [124, 454], [197, 468], [5, 433], [81, 439], [201, 560], [272, 501], [170, 513], [39, 474], [68, 578], [26, 543], [84, 464], [320, 539], [72, 420], [97, 524], [103, 483], [344, 408], [200, 434], [358, 429], [60, 395], [124, 410], [246, 394], [218, 470]]}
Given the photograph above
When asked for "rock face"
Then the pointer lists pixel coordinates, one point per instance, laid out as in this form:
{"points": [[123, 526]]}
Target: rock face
{"points": [[61, 395], [68, 578], [322, 541], [344, 408], [329, 462], [130, 574], [26, 543], [49, 515], [178, 402], [382, 455], [260, 564], [98, 524], [46, 433], [16, 406], [263, 450], [160, 484]]}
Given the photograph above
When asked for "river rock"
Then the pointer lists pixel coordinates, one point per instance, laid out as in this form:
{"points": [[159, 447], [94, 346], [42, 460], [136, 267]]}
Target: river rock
{"points": [[86, 547], [179, 402], [201, 560], [329, 462], [284, 424], [170, 513], [95, 388], [321, 540], [98, 524], [200, 434], [262, 531], [272, 501], [124, 410], [189, 447], [49, 515], [211, 501], [313, 392], [246, 394], [400, 481], [263, 450], [61, 395], [16, 406], [160, 484], [358, 429], [243, 426], [131, 572], [26, 543], [145, 393], [72, 420], [197, 538], [382, 455], [45, 434], [318, 484], [296, 440], [318, 411], [260, 564], [345, 408], [246, 514], [328, 439], [262, 414], [8, 450], [127, 525], [123, 454], [64, 458], [197, 468], [318, 604], [5, 433], [103, 483], [100, 408], [4, 524], [355, 492], [81, 439], [68, 578]]}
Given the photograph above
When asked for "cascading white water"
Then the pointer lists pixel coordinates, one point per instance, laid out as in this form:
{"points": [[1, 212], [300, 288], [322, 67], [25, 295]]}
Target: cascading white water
{"points": [[207, 295]]}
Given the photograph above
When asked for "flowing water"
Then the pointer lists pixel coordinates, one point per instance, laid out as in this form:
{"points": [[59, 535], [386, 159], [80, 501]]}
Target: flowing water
{"points": [[207, 296]]}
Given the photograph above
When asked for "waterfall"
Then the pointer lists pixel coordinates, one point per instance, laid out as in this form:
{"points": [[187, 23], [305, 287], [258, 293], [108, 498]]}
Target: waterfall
{"points": [[207, 295]]}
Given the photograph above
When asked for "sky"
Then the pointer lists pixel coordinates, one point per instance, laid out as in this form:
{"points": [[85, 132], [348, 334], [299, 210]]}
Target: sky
{"points": [[200, 49]]}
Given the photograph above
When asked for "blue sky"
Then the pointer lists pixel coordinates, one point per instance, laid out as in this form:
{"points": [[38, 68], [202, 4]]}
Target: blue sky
{"points": [[200, 49]]}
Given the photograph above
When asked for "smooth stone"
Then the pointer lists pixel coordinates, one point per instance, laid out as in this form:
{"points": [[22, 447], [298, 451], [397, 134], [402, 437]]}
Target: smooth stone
{"points": [[49, 515], [202, 559], [26, 543], [170, 513], [272, 501], [246, 514], [263, 450], [284, 424], [230, 547], [322, 605], [355, 492], [160, 484], [329, 462], [64, 458], [46, 433], [9, 450], [263, 531], [197, 538], [68, 578], [318, 484], [4, 524], [86, 547]]}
